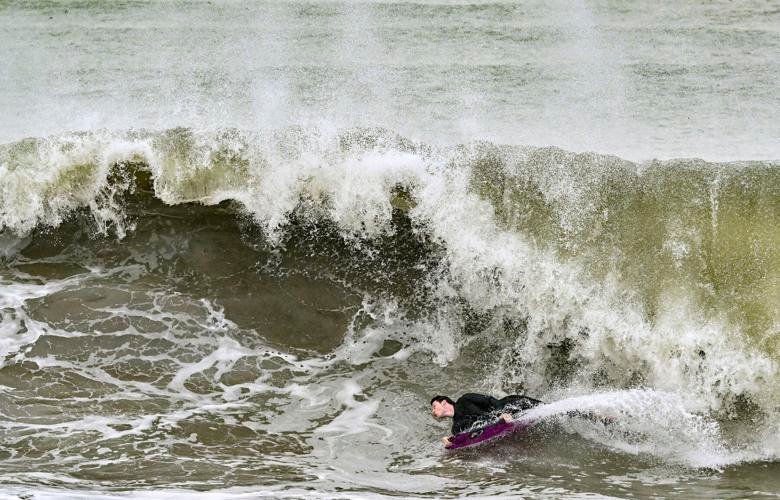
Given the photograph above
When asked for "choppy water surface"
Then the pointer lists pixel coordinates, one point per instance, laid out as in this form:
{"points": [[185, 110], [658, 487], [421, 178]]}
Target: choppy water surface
{"points": [[243, 244]]}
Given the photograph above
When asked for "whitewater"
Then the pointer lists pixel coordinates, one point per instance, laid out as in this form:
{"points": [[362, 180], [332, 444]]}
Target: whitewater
{"points": [[243, 244]]}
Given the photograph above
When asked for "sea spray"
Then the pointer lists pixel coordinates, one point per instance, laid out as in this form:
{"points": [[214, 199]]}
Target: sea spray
{"points": [[639, 421]]}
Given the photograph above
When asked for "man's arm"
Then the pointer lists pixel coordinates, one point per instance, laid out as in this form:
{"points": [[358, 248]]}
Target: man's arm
{"points": [[472, 408]]}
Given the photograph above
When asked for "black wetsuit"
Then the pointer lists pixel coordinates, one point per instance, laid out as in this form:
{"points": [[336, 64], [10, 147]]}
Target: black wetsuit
{"points": [[472, 408]]}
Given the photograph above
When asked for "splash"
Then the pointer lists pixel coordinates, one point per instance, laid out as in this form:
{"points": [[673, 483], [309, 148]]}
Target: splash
{"points": [[638, 422]]}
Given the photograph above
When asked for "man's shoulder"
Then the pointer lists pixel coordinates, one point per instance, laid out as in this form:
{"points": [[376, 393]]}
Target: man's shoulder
{"points": [[471, 396]]}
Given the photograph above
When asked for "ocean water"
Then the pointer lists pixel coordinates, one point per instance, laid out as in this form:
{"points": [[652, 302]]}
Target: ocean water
{"points": [[243, 243]]}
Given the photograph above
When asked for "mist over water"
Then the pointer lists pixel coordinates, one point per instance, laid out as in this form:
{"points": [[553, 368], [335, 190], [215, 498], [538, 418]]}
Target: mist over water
{"points": [[241, 245], [642, 82]]}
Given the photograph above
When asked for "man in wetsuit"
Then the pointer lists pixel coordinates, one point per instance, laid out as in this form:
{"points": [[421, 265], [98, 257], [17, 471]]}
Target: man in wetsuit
{"points": [[472, 408]]}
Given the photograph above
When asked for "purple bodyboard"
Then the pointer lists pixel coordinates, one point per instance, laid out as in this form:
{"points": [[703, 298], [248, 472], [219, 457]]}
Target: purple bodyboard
{"points": [[485, 433]]}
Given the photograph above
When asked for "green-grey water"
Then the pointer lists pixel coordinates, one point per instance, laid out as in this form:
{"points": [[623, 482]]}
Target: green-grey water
{"points": [[243, 244]]}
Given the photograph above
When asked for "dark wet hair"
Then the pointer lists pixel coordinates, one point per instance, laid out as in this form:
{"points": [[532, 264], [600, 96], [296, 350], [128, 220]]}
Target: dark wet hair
{"points": [[442, 398]]}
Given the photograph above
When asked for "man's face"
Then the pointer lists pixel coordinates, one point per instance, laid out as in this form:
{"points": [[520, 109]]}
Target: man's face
{"points": [[439, 409]]}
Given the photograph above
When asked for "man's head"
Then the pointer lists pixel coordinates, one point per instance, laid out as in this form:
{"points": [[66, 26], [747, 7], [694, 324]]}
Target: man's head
{"points": [[442, 406]]}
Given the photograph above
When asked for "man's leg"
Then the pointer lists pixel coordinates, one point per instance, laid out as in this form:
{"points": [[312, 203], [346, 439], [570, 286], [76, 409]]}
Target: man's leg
{"points": [[518, 402]]}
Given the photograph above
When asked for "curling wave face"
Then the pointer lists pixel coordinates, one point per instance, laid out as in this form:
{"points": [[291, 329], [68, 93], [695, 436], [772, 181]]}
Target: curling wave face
{"points": [[181, 281]]}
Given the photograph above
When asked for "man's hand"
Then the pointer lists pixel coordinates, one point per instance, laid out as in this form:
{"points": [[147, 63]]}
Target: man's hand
{"points": [[506, 417], [447, 440]]}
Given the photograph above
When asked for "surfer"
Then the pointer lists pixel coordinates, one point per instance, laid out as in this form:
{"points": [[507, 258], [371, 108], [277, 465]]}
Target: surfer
{"points": [[472, 408]]}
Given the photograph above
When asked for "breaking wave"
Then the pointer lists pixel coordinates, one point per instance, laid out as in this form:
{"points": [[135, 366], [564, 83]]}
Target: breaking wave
{"points": [[589, 272]]}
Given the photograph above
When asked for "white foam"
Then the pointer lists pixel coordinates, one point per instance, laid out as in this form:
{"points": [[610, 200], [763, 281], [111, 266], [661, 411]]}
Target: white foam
{"points": [[660, 424]]}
